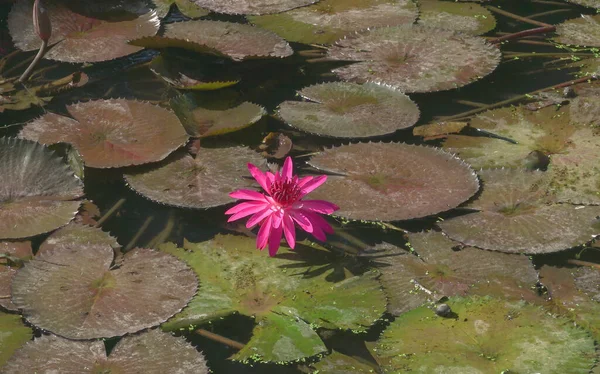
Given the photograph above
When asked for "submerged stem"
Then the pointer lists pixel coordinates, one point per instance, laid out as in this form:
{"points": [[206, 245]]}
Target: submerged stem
{"points": [[218, 338], [42, 51]]}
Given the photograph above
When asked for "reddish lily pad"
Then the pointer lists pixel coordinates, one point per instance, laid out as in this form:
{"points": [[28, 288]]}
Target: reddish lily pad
{"points": [[15, 252], [112, 133], [80, 37], [76, 234], [350, 110], [445, 272], [415, 58], [148, 352], [186, 7], [329, 20], [75, 290], [38, 191], [233, 40], [13, 335], [516, 215], [471, 19], [252, 6], [393, 181], [201, 182], [582, 31]]}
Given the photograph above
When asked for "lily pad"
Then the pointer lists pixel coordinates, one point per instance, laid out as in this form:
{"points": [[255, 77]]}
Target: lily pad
{"points": [[38, 191], [13, 335], [79, 37], [112, 133], [471, 19], [415, 58], [201, 182], [350, 110], [224, 39], [149, 352], [329, 20], [252, 6], [338, 363], [489, 336], [75, 290], [76, 234], [445, 272], [187, 7], [588, 3], [582, 31], [188, 75], [393, 181], [16, 252], [201, 120], [517, 215], [287, 302]]}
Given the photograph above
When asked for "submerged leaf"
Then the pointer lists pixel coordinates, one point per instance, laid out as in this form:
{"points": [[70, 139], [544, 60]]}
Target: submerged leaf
{"points": [[415, 58], [112, 133], [13, 335], [186, 74], [38, 190], [393, 181], [489, 336], [350, 110], [251, 6], [187, 7], [468, 18], [149, 352]]}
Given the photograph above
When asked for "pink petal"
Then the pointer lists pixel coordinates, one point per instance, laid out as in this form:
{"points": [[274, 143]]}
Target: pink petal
{"points": [[247, 195], [263, 234], [314, 183], [248, 209], [319, 222], [317, 206], [319, 234], [304, 180], [241, 206], [301, 219], [270, 177], [286, 171], [259, 176], [277, 218], [258, 217], [289, 229], [275, 240]]}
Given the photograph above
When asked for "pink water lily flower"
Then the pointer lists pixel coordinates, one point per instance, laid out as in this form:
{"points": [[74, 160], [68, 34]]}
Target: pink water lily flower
{"points": [[281, 208]]}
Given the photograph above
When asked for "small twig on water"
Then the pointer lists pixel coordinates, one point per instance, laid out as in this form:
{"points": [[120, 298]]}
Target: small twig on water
{"points": [[583, 263], [221, 339], [522, 34], [517, 17]]}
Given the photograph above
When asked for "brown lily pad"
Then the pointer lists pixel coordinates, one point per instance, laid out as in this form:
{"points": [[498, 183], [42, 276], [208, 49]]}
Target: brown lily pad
{"points": [[350, 110], [414, 58], [38, 191], [582, 31], [517, 215], [201, 182], [186, 7], [16, 252], [112, 133], [251, 6], [75, 290], [76, 234], [80, 37], [471, 19], [393, 181], [151, 352]]}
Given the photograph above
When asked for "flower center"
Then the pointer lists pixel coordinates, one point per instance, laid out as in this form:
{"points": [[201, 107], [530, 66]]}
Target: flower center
{"points": [[285, 192]]}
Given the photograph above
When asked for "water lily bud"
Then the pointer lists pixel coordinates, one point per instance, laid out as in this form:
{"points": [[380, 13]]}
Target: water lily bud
{"points": [[41, 21]]}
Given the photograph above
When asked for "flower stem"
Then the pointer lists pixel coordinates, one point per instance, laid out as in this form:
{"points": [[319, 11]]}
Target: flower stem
{"points": [[218, 338], [522, 34], [517, 17], [41, 52]]}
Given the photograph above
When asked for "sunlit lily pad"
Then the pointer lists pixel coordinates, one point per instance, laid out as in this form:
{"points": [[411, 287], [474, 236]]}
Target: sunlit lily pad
{"points": [[286, 301], [13, 335], [76, 234], [393, 181], [186, 74], [80, 38], [489, 336], [75, 290], [439, 269], [148, 352], [516, 215], [201, 182], [329, 20], [233, 40], [186, 7], [350, 110], [38, 191], [251, 6], [415, 58], [112, 133], [468, 18], [338, 363], [201, 120], [582, 31]]}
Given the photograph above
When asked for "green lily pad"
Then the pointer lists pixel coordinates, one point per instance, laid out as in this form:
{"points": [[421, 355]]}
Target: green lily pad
{"points": [[329, 20], [38, 192], [393, 181], [201, 182], [186, 74], [74, 290], [414, 58], [224, 39], [517, 215], [252, 6], [287, 303], [582, 31], [488, 336], [350, 110], [112, 133], [149, 352], [187, 7], [13, 335], [471, 19], [445, 272], [338, 363], [201, 119]]}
